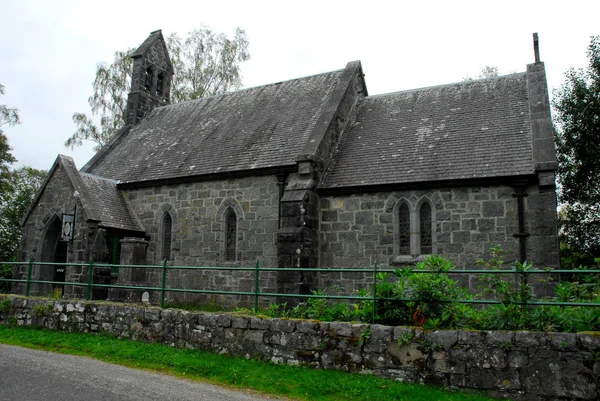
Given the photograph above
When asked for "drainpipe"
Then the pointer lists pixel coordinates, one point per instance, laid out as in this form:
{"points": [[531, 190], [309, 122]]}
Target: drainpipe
{"points": [[520, 194], [281, 177]]}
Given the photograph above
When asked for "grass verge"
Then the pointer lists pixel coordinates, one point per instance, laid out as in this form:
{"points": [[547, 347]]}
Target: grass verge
{"points": [[280, 380]]}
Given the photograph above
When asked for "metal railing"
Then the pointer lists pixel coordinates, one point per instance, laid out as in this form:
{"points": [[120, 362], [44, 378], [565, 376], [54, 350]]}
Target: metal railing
{"points": [[257, 293]]}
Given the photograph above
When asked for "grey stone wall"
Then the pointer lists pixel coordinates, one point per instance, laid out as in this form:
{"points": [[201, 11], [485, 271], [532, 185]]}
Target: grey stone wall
{"points": [[199, 230], [516, 365], [57, 198], [357, 230]]}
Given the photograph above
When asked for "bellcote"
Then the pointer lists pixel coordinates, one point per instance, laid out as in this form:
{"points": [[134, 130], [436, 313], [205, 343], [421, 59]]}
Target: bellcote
{"points": [[150, 78]]}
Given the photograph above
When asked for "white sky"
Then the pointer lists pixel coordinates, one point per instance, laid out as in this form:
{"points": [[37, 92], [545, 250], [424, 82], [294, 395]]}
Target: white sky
{"points": [[49, 49]]}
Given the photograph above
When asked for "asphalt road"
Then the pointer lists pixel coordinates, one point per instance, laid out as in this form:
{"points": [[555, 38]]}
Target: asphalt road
{"points": [[32, 375]]}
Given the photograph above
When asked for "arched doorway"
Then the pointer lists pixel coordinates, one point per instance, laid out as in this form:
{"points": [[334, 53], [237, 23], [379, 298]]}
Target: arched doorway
{"points": [[53, 250]]}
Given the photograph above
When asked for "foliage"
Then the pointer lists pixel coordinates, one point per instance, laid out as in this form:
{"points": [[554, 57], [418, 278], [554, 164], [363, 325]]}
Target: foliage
{"points": [[577, 125], [570, 258], [205, 64], [111, 87], [431, 290], [486, 72], [512, 292], [8, 116], [13, 197], [318, 308], [580, 287], [427, 296], [20, 191]]}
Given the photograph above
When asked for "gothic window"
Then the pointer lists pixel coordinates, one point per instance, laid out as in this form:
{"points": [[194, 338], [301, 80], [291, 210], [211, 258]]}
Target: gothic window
{"points": [[159, 84], [413, 230], [425, 229], [167, 235], [149, 76], [230, 235], [404, 230]]}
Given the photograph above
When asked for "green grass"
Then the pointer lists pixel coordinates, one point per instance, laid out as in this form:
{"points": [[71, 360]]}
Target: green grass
{"points": [[280, 380]]}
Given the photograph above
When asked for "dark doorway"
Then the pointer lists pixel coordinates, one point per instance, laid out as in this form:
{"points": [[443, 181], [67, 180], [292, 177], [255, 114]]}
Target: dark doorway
{"points": [[107, 275], [53, 251], [60, 256], [113, 242]]}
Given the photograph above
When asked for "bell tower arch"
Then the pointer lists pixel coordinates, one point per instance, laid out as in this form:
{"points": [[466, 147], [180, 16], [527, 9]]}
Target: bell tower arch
{"points": [[150, 78]]}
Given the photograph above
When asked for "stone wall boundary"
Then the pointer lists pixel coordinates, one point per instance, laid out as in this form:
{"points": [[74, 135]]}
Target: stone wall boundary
{"points": [[503, 364]]}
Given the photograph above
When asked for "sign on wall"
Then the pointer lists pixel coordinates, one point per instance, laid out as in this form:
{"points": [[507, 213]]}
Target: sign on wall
{"points": [[68, 225]]}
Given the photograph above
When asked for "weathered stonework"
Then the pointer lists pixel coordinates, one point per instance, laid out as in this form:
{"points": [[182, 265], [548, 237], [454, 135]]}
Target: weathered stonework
{"points": [[358, 230], [198, 234], [41, 231], [305, 173], [515, 365]]}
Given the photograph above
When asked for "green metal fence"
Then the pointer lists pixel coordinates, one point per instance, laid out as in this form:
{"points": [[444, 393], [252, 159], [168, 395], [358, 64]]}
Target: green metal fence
{"points": [[257, 293]]}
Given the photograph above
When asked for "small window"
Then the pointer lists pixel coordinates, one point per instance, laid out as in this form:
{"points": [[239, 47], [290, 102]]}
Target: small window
{"points": [[425, 229], [149, 77], [413, 230], [159, 84], [167, 236], [403, 230], [230, 235]]}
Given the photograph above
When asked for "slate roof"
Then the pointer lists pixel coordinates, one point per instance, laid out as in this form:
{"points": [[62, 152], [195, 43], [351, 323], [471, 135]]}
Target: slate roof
{"points": [[108, 203], [249, 129], [100, 198], [475, 129]]}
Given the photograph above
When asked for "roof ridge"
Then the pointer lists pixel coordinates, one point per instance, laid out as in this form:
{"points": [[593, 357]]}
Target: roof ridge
{"points": [[98, 177], [474, 81], [248, 89]]}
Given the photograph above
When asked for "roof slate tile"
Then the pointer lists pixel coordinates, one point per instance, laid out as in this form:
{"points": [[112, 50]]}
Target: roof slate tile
{"points": [[108, 203], [473, 129], [254, 128]]}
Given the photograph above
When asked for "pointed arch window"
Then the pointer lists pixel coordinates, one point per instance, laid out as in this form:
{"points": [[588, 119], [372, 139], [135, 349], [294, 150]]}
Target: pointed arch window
{"points": [[149, 77], [230, 235], [403, 229], [160, 83], [167, 235], [425, 231], [413, 230]]}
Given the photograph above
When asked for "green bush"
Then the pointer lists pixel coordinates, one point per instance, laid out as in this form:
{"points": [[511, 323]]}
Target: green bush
{"points": [[5, 273], [427, 296]]}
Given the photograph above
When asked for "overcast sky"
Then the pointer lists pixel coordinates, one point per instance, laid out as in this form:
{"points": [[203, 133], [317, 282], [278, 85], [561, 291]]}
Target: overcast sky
{"points": [[49, 49]]}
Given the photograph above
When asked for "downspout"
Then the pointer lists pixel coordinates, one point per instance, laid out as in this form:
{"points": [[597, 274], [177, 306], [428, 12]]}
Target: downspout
{"points": [[520, 194], [281, 177]]}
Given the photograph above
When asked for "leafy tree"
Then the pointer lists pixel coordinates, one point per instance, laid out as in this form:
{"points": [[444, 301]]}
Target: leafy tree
{"points": [[23, 186], [8, 116], [486, 72], [205, 64], [577, 124], [111, 87], [17, 190]]}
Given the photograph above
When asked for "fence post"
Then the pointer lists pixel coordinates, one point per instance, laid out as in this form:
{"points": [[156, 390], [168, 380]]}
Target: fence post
{"points": [[374, 291], [29, 269], [163, 284], [88, 291], [256, 289]]}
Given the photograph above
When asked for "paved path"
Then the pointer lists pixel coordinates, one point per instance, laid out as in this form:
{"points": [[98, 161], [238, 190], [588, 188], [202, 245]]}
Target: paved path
{"points": [[32, 375]]}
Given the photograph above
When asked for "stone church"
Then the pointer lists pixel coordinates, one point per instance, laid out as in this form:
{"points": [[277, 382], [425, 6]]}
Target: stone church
{"points": [[310, 172]]}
